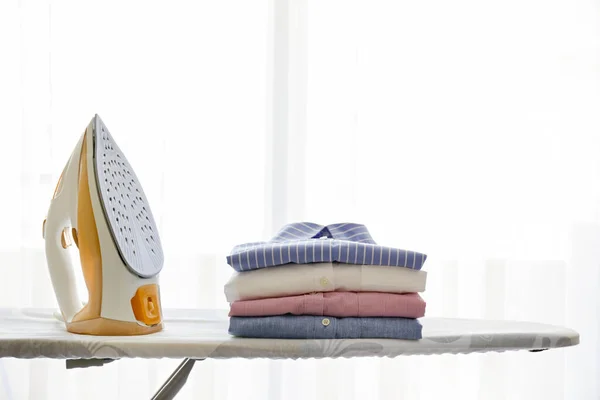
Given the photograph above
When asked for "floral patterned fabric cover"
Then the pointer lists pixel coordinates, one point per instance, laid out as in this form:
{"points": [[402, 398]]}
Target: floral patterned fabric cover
{"points": [[33, 333]]}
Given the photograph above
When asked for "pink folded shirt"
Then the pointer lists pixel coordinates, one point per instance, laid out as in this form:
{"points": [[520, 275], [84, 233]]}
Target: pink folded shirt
{"points": [[334, 304]]}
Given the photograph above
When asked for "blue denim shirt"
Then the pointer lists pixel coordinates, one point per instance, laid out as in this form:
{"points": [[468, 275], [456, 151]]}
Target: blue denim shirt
{"points": [[319, 327], [306, 242]]}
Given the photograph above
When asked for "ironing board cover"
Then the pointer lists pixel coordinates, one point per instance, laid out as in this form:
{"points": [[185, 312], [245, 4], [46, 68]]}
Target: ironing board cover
{"points": [[34, 333]]}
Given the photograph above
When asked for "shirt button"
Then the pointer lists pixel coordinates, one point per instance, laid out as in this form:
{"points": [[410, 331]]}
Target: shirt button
{"points": [[326, 322], [324, 281]]}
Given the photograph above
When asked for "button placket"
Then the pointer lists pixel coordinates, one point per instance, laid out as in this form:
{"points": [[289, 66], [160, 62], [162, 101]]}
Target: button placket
{"points": [[313, 303], [325, 281], [322, 303]]}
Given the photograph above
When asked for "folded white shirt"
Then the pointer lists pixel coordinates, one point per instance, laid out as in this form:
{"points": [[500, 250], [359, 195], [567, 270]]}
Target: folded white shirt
{"points": [[322, 277]]}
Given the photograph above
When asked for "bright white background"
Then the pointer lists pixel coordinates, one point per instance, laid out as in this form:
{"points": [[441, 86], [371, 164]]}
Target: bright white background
{"points": [[468, 130]]}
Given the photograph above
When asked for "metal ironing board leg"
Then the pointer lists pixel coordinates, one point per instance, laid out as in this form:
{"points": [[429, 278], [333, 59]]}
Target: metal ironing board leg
{"points": [[176, 381]]}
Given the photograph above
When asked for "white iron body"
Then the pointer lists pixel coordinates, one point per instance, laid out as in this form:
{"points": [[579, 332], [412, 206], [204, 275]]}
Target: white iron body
{"points": [[118, 284]]}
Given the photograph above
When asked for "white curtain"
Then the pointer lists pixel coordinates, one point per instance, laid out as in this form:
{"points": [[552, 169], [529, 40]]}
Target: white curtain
{"points": [[468, 130]]}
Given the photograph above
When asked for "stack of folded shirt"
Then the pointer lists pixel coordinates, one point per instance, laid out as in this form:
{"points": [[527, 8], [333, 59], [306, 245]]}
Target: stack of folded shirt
{"points": [[325, 282]]}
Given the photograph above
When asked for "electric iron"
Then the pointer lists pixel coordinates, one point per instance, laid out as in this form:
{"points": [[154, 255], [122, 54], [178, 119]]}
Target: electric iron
{"points": [[99, 205]]}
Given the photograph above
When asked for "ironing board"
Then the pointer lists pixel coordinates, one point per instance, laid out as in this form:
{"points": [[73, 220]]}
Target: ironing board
{"points": [[195, 335]]}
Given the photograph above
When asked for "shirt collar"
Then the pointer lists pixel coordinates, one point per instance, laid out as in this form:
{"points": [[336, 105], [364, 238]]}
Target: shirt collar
{"points": [[308, 230]]}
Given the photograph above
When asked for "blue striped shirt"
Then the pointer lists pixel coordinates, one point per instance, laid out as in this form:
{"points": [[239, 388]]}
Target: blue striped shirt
{"points": [[305, 242]]}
